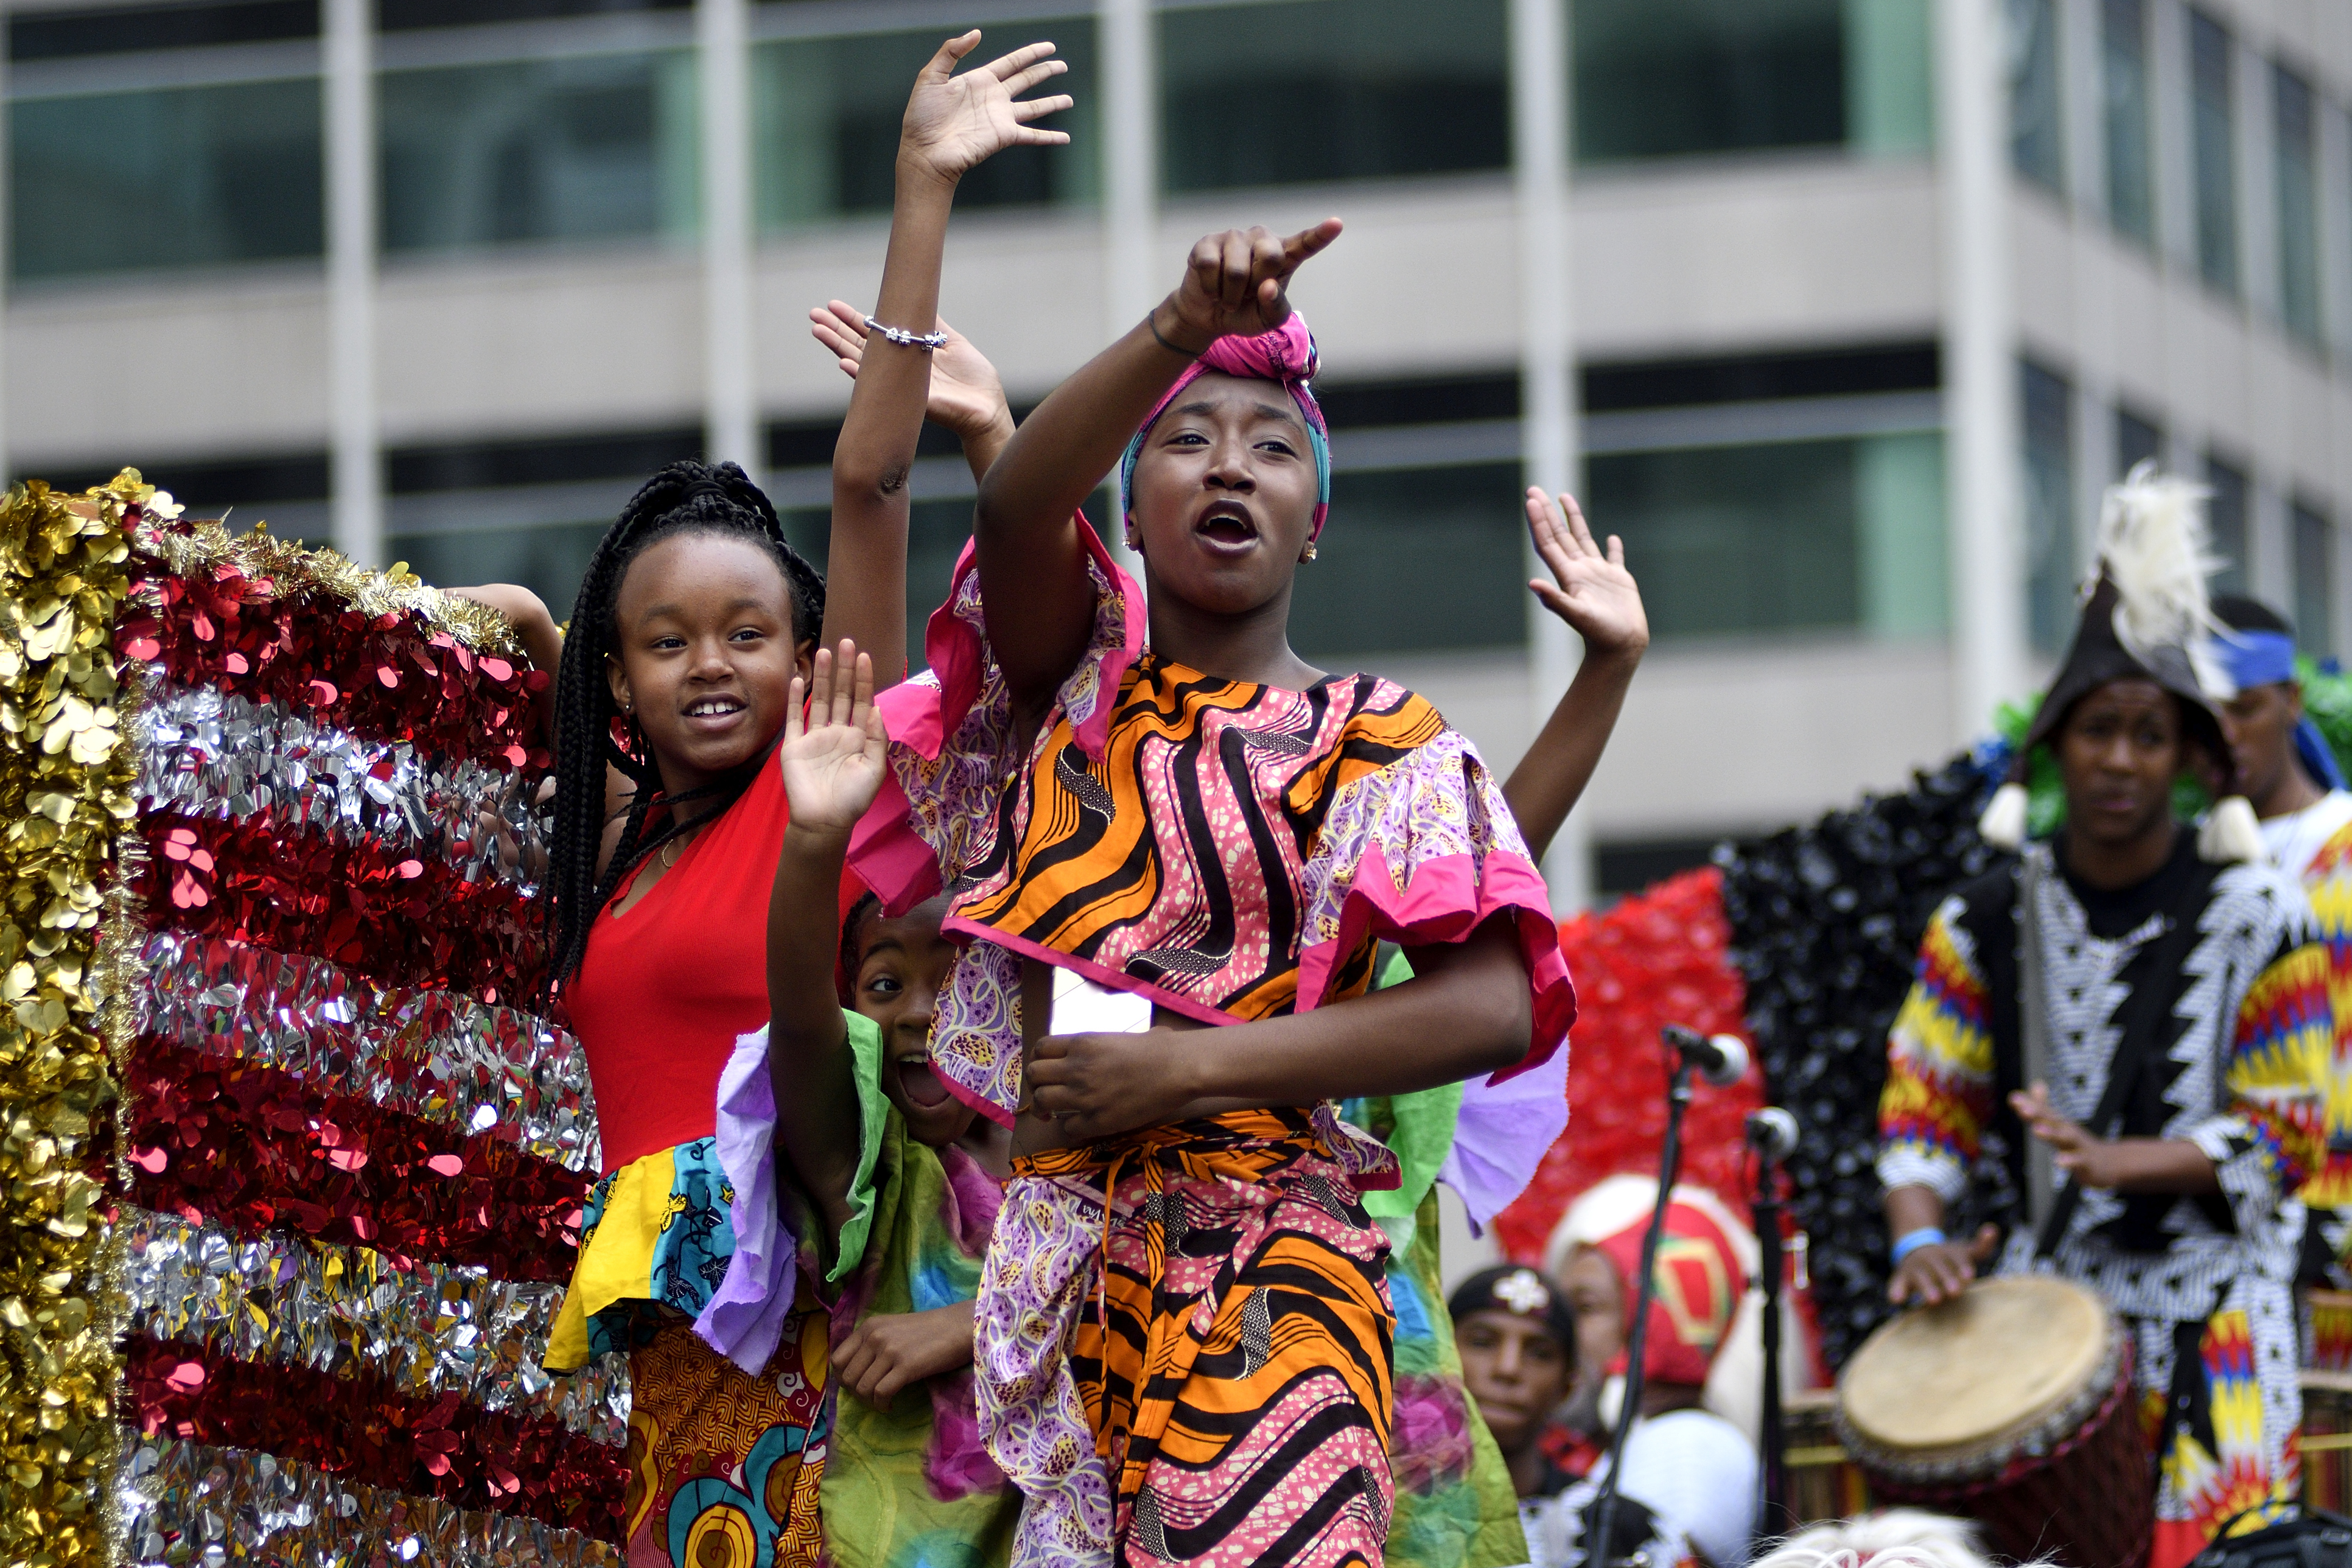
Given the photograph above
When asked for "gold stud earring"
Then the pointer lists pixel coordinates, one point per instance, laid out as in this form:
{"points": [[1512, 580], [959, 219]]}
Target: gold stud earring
{"points": [[1310, 551]]}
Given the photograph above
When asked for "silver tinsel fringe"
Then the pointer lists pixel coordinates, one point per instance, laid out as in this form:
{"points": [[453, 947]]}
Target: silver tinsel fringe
{"points": [[432, 1330], [429, 1054]]}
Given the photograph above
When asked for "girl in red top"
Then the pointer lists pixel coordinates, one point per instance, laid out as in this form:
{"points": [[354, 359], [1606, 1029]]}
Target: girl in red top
{"points": [[693, 619]]}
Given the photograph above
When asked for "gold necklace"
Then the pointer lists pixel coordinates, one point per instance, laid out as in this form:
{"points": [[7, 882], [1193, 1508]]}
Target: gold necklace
{"points": [[669, 851]]}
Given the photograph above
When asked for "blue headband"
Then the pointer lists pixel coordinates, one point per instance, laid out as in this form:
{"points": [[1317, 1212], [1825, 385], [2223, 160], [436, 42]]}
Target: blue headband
{"points": [[2257, 658], [2267, 658]]}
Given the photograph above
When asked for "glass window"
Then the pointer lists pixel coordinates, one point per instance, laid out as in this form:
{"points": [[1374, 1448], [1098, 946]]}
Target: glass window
{"points": [[825, 116], [1736, 540], [2037, 142], [2296, 142], [2315, 582], [2225, 512], [2137, 441], [2131, 182], [1655, 77], [588, 148], [2214, 129], [403, 15], [1898, 498], [1416, 560], [548, 559], [2048, 405], [1313, 90], [198, 175], [65, 34], [1890, 89]]}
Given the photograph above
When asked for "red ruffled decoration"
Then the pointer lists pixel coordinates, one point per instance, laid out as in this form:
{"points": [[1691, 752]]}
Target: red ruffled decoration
{"points": [[383, 677], [398, 918], [251, 1148], [1657, 958], [360, 1428]]}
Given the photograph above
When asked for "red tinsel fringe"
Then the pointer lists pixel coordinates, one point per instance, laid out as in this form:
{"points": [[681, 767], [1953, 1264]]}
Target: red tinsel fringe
{"points": [[251, 1148], [360, 1428], [384, 676], [1657, 958], [397, 917]]}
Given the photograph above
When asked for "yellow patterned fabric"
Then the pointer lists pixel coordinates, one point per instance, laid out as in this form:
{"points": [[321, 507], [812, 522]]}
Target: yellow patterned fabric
{"points": [[2327, 882]]}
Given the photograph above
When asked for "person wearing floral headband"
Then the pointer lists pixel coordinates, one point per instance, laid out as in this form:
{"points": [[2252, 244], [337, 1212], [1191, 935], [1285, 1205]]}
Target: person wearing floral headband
{"points": [[1169, 860]]}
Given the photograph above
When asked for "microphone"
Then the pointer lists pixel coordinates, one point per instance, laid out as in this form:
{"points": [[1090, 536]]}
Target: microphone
{"points": [[1772, 1132], [1721, 1060]]}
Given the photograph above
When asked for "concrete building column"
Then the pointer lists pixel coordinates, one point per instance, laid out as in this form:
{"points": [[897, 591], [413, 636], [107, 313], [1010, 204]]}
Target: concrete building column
{"points": [[1547, 390], [723, 57], [1130, 68], [355, 442], [1980, 365]]}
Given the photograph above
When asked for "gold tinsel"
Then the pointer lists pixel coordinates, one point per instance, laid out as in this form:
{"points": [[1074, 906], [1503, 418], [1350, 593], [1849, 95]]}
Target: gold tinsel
{"points": [[67, 790], [196, 548]]}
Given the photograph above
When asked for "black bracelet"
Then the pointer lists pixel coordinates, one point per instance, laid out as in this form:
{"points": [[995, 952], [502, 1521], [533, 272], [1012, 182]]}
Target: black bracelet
{"points": [[1151, 320]]}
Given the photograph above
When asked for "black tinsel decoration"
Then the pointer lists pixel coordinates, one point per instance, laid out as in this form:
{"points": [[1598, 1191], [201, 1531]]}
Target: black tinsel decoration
{"points": [[1825, 927]]}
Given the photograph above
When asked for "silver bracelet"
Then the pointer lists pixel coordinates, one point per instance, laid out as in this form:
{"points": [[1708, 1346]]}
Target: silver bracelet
{"points": [[926, 342]]}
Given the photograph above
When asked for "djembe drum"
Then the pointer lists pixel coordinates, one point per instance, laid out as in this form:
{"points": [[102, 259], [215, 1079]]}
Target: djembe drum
{"points": [[2011, 1405]]}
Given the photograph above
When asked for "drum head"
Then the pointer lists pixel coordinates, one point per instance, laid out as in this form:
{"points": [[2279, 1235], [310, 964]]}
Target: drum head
{"points": [[1940, 1382]]}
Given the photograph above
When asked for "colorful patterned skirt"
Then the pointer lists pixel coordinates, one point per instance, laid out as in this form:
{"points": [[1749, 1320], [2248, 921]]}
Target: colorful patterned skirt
{"points": [[1201, 1369], [724, 1466], [2222, 1408]]}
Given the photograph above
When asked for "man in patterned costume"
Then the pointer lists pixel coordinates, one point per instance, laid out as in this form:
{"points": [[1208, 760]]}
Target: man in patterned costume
{"points": [[2135, 1016], [2297, 790]]}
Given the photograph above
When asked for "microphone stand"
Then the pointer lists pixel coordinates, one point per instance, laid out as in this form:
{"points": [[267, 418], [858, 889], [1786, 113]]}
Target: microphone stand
{"points": [[1599, 1538], [1775, 1518]]}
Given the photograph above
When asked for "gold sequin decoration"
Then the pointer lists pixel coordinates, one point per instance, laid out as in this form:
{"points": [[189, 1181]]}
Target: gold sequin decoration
{"points": [[67, 789]]}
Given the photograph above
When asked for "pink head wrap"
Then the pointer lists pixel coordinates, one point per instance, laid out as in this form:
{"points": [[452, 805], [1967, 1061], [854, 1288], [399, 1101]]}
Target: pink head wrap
{"points": [[1286, 355]]}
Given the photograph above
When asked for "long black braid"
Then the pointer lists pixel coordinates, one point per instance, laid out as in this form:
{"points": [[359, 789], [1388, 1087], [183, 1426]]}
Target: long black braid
{"points": [[592, 732]]}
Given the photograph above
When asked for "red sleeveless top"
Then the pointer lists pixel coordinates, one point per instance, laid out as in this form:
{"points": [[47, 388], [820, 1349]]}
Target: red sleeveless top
{"points": [[664, 989]]}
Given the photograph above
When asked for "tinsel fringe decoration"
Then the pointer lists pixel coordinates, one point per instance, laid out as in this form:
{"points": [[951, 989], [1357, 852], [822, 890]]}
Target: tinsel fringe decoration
{"points": [[67, 790], [1826, 924]]}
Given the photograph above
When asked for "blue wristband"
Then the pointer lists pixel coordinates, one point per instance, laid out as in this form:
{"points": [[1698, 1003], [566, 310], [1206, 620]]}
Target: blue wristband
{"points": [[1911, 1241]]}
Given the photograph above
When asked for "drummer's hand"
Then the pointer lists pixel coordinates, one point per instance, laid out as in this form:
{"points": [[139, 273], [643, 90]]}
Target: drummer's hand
{"points": [[2095, 1161], [1940, 1272]]}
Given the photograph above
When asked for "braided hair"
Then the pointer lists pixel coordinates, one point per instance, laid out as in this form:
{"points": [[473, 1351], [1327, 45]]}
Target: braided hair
{"points": [[591, 731]]}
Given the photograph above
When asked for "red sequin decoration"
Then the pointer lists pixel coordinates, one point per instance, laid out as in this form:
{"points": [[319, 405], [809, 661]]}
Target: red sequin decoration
{"points": [[362, 1427], [251, 1148], [384, 912], [388, 676]]}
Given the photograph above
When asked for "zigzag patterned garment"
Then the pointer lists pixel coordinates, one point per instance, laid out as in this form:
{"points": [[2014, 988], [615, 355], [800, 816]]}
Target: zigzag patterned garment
{"points": [[1232, 1351], [1204, 1376], [2205, 1284], [2327, 876]]}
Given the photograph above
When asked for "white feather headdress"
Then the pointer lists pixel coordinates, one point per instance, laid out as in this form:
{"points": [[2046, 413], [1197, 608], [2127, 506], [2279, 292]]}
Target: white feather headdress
{"points": [[2158, 551]]}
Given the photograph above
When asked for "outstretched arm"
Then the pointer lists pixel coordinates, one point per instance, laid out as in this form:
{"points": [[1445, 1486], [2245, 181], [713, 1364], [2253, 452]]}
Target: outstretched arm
{"points": [[966, 395], [1593, 592], [952, 124], [833, 765], [1037, 626]]}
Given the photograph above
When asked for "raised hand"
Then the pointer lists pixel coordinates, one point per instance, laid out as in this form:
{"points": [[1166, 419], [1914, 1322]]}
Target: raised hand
{"points": [[1236, 285], [966, 397], [1591, 589], [954, 123], [833, 759]]}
